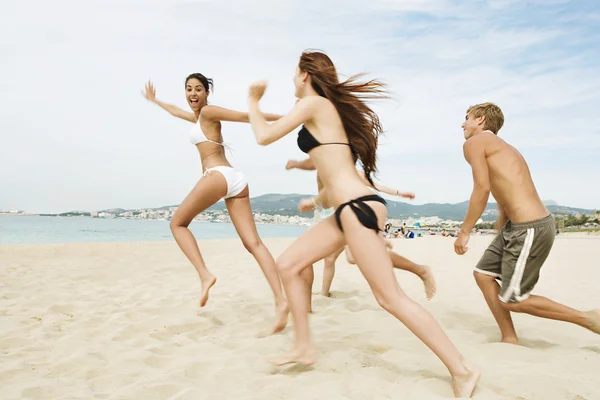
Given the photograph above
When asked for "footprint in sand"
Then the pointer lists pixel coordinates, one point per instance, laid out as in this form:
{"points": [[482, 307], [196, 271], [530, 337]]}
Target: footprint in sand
{"points": [[159, 351], [185, 328], [379, 349], [44, 392], [127, 334], [70, 368], [161, 336], [66, 309], [10, 374], [322, 302], [199, 370], [595, 349], [537, 343], [156, 392], [13, 343], [344, 295], [157, 362], [356, 306]]}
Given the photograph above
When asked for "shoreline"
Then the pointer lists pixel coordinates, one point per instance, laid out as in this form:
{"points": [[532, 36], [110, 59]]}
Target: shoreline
{"points": [[567, 236]]}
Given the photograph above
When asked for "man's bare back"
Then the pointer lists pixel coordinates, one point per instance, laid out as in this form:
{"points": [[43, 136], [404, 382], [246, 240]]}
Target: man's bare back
{"points": [[509, 268], [510, 179]]}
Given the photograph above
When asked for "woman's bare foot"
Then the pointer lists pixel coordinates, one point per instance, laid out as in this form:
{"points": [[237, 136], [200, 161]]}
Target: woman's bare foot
{"points": [[464, 385], [325, 294], [428, 282], [510, 340], [593, 321], [281, 317], [305, 356], [206, 285]]}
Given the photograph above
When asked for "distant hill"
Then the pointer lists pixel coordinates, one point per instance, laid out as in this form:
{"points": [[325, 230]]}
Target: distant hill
{"points": [[287, 204]]}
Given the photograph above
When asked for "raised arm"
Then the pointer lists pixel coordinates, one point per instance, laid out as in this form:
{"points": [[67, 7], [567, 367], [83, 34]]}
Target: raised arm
{"points": [[150, 94], [269, 133], [474, 151], [307, 165], [215, 113]]}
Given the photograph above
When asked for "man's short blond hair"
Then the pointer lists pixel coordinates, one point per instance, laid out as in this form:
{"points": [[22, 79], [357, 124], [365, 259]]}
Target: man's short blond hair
{"points": [[494, 118]]}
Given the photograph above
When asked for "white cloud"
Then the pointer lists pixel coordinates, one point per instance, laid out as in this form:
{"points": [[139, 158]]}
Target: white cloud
{"points": [[76, 134]]}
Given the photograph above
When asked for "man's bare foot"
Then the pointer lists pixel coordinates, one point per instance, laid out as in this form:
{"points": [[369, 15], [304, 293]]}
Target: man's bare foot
{"points": [[510, 340], [428, 282], [305, 356], [464, 385], [281, 317], [325, 294], [206, 285], [593, 321]]}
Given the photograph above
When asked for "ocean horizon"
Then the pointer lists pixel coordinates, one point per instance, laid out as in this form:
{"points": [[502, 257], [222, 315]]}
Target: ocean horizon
{"points": [[29, 229]]}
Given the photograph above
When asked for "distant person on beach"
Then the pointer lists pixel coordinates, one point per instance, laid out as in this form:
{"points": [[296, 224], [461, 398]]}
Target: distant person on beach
{"points": [[339, 129], [220, 181], [399, 262], [526, 228]]}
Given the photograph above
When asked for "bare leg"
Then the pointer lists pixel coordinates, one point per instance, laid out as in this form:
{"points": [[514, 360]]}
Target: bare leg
{"points": [[207, 192], [322, 240], [490, 288], [349, 256], [308, 275], [329, 271], [422, 271], [374, 263], [545, 308], [243, 220], [399, 262]]}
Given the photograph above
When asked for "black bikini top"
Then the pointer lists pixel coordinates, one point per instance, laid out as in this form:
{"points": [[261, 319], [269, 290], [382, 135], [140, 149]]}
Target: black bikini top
{"points": [[307, 142]]}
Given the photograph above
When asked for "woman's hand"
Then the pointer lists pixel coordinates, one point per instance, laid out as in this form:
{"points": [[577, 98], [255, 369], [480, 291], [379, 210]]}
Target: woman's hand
{"points": [[307, 205], [150, 92], [407, 195], [257, 90]]}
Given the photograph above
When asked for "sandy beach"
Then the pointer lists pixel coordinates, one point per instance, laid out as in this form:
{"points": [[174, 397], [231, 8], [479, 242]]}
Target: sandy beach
{"points": [[121, 321]]}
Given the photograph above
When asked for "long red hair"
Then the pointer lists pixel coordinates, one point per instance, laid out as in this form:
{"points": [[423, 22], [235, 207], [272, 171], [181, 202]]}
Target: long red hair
{"points": [[360, 122]]}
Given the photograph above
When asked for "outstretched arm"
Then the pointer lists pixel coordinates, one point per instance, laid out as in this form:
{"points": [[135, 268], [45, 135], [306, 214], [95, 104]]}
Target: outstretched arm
{"points": [[309, 204], [150, 95], [386, 189], [269, 133], [307, 165], [474, 150], [215, 113]]}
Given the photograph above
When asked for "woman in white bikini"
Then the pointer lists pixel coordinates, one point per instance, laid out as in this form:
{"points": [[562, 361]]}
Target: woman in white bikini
{"points": [[220, 181], [399, 262]]}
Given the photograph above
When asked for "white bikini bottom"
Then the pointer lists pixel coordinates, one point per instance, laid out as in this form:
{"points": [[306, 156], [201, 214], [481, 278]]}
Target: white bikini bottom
{"points": [[236, 181]]}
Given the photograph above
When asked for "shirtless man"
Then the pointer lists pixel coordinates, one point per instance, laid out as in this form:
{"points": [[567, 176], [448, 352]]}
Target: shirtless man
{"points": [[526, 228], [422, 271]]}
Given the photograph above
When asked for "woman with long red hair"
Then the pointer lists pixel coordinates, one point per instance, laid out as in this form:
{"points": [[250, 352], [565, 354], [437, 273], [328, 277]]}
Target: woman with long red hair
{"points": [[338, 130]]}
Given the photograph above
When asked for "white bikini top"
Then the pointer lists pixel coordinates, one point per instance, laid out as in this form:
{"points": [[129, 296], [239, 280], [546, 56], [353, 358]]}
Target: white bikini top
{"points": [[197, 136]]}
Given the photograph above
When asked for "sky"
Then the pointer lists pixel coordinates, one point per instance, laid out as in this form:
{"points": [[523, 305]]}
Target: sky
{"points": [[76, 133]]}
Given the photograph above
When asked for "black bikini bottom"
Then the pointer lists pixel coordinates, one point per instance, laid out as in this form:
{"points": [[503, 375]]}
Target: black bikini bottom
{"points": [[365, 214]]}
